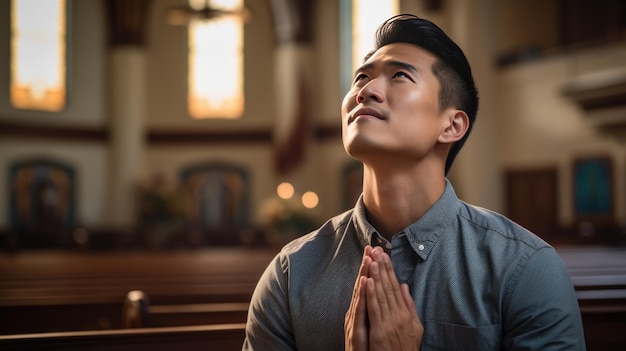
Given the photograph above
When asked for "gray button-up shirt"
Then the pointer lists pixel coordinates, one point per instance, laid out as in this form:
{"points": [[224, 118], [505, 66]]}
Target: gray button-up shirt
{"points": [[480, 282]]}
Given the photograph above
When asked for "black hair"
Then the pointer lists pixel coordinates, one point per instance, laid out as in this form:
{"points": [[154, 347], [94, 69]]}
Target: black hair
{"points": [[452, 69]]}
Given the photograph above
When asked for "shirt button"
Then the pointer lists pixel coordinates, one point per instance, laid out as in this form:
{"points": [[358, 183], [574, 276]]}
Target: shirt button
{"points": [[420, 247]]}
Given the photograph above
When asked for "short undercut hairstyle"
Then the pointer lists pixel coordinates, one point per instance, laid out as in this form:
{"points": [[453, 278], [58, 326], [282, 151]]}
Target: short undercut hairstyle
{"points": [[451, 68]]}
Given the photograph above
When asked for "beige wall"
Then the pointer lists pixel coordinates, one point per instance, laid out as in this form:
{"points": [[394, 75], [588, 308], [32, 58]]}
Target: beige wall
{"points": [[86, 107], [90, 167], [86, 79], [523, 24], [167, 72], [542, 127]]}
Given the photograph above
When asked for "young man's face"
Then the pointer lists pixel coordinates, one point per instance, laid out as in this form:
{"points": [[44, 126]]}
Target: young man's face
{"points": [[392, 109]]}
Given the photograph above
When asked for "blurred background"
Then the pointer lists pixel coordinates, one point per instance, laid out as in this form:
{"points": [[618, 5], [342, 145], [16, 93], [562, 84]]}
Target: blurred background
{"points": [[172, 125], [167, 122]]}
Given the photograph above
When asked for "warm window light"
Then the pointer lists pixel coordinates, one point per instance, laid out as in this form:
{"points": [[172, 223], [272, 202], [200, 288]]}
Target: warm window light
{"points": [[216, 64], [310, 199], [285, 190], [367, 15], [38, 54]]}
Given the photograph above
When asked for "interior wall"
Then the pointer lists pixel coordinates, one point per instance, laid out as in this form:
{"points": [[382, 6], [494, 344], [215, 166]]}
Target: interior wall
{"points": [[167, 64], [89, 161], [166, 53], [530, 123], [542, 127], [327, 57], [85, 108], [526, 24], [86, 80]]}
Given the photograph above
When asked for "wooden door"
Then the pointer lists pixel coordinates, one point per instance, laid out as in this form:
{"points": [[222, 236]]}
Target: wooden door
{"points": [[531, 200]]}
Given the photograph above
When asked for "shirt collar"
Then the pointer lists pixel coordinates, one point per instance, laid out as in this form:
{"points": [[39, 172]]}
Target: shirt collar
{"points": [[422, 235], [365, 231]]}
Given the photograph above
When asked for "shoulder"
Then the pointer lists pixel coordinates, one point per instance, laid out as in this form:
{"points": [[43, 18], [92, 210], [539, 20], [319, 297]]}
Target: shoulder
{"points": [[516, 250], [311, 257], [318, 241], [310, 248], [325, 233], [499, 227]]}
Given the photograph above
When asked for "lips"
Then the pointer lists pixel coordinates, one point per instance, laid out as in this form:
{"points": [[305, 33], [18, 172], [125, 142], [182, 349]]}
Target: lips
{"points": [[367, 111]]}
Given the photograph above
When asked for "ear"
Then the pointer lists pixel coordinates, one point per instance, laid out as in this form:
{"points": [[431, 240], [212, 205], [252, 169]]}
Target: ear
{"points": [[455, 128]]}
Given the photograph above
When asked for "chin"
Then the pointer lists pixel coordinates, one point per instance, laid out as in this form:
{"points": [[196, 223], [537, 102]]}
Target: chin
{"points": [[357, 146]]}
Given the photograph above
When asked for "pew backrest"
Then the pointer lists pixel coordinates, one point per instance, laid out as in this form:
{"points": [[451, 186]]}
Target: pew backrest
{"points": [[140, 313], [223, 337]]}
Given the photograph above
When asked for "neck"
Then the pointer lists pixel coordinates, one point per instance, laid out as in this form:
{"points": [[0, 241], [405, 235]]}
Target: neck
{"points": [[396, 198]]}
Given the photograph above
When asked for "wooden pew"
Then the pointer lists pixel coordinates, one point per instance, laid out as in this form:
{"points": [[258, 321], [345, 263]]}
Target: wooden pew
{"points": [[64, 291], [603, 313], [599, 278], [223, 337], [139, 313], [53, 291]]}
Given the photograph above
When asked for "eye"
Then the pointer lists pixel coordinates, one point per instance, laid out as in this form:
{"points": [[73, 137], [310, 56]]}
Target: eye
{"points": [[360, 77], [401, 74]]}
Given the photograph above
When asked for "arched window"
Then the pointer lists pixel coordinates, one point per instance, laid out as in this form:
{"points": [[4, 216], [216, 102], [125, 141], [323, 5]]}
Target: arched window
{"points": [[215, 81], [38, 54]]}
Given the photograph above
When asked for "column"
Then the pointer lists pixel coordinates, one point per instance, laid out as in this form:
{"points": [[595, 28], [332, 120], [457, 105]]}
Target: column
{"points": [[127, 106], [476, 173]]}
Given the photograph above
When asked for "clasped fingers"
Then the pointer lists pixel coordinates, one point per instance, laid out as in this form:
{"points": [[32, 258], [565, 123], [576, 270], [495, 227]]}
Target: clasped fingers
{"points": [[393, 317]]}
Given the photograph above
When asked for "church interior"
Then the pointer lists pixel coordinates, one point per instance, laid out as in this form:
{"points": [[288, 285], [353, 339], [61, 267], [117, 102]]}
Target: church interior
{"points": [[156, 154]]}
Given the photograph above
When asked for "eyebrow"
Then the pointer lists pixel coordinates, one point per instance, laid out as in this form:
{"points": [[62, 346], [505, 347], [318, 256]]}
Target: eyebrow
{"points": [[393, 63]]}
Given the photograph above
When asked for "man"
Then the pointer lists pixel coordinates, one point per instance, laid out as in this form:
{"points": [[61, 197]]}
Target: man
{"points": [[411, 266]]}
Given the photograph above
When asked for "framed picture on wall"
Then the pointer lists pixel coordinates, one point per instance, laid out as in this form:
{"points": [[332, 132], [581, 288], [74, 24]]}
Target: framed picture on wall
{"points": [[593, 189]]}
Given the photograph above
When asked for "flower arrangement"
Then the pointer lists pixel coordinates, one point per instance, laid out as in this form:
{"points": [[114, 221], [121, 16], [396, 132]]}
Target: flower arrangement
{"points": [[285, 218], [158, 201]]}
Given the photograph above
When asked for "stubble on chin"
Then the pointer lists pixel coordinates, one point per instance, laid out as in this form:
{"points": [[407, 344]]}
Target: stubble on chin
{"points": [[358, 145]]}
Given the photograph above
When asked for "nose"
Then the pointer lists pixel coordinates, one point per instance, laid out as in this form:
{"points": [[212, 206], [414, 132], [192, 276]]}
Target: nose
{"points": [[370, 91]]}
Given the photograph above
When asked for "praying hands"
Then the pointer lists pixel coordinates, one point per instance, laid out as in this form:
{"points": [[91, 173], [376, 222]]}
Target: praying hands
{"points": [[382, 314]]}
